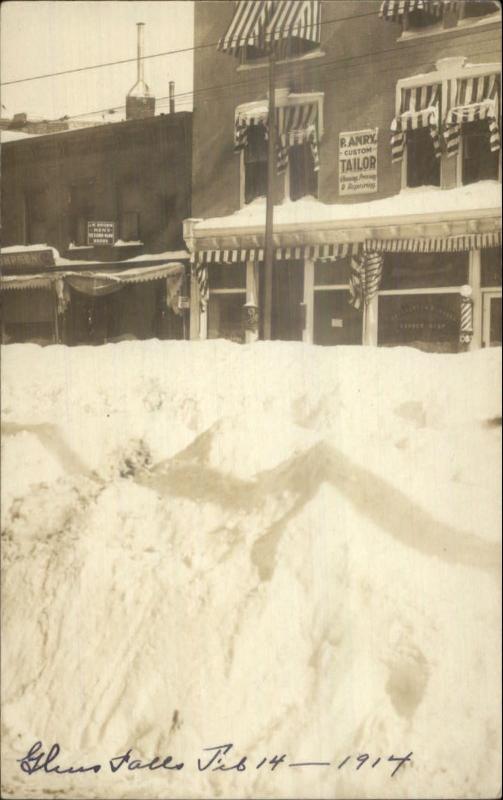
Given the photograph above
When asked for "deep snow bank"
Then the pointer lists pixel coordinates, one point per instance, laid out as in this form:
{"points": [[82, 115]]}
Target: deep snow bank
{"points": [[291, 548]]}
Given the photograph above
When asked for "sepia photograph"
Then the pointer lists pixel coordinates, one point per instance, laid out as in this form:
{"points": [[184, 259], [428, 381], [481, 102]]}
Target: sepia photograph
{"points": [[250, 288]]}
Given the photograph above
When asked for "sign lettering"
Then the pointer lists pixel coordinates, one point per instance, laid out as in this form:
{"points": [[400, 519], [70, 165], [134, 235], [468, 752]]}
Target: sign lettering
{"points": [[358, 162]]}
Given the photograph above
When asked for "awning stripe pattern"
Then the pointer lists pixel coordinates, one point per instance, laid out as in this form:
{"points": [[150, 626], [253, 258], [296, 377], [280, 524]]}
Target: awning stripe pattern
{"points": [[419, 109], [317, 252], [394, 10], [295, 124], [95, 280], [441, 244], [476, 99], [259, 22], [365, 278]]}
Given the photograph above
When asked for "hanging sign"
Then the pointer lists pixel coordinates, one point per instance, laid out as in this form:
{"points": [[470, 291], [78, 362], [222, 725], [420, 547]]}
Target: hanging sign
{"points": [[100, 232], [27, 259], [358, 162]]}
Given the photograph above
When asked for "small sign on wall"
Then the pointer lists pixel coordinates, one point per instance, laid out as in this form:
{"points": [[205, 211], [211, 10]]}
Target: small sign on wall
{"points": [[358, 162], [101, 233]]}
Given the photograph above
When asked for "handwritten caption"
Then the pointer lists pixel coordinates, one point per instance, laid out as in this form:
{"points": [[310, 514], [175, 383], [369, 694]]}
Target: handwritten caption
{"points": [[219, 758]]}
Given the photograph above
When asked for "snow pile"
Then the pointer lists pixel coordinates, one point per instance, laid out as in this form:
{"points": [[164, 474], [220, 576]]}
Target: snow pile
{"points": [[428, 200], [293, 549]]}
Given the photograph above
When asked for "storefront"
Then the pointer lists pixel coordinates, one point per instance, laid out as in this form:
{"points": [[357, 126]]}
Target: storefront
{"points": [[430, 280], [56, 301]]}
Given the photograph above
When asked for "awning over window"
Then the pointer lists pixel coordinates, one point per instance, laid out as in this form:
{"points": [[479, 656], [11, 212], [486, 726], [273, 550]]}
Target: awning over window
{"points": [[476, 98], [295, 124], [259, 22], [394, 10], [419, 109]]}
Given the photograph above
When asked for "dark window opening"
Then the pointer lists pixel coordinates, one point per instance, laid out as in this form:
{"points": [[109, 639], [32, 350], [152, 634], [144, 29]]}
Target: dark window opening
{"points": [[416, 20], [129, 214], [35, 205], [227, 276], [81, 211], [429, 322], [491, 266], [303, 178], [479, 8], [291, 47], [479, 163], [424, 270], [225, 317], [255, 159], [423, 169], [335, 320]]}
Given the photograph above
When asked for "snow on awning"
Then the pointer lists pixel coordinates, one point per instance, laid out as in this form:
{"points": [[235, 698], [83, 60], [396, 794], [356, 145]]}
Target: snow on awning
{"points": [[419, 109], [296, 123], [394, 10], [476, 98], [257, 23], [320, 252], [92, 281], [436, 244]]}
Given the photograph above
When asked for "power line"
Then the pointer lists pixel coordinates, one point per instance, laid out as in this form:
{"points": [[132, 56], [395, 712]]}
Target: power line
{"points": [[299, 67], [158, 55]]}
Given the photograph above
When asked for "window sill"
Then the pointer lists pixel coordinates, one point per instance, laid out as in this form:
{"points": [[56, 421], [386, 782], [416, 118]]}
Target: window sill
{"points": [[73, 246], [131, 243], [263, 62], [469, 22]]}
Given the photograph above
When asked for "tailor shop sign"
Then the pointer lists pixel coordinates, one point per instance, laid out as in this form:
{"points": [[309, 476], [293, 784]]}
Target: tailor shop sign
{"points": [[358, 162]]}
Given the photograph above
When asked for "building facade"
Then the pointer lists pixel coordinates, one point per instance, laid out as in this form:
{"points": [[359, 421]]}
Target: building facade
{"points": [[92, 244], [386, 224]]}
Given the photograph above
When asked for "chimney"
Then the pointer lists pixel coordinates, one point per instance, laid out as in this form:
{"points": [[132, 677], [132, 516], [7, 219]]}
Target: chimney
{"points": [[171, 97], [139, 101]]}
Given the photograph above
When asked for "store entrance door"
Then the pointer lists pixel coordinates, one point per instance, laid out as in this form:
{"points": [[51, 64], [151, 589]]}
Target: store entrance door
{"points": [[491, 319], [287, 295]]}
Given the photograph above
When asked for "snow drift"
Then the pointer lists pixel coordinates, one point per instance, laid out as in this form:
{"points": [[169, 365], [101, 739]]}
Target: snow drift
{"points": [[289, 548]]}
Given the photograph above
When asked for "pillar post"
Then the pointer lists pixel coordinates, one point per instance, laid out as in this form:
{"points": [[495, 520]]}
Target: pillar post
{"points": [[370, 311], [251, 307], [308, 332], [474, 280]]}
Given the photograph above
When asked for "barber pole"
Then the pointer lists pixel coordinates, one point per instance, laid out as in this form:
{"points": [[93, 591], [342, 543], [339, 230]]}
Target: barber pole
{"points": [[466, 323]]}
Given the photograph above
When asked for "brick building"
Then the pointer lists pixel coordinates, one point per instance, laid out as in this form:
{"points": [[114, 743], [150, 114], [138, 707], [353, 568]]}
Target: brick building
{"points": [[110, 200], [387, 192]]}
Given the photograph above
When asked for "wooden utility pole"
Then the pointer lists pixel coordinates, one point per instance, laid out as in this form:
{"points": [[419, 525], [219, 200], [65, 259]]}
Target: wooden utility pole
{"points": [[271, 167]]}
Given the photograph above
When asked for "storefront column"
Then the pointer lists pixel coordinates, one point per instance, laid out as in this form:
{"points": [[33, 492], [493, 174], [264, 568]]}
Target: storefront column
{"points": [[370, 311], [198, 318], [251, 309], [474, 281], [308, 332]]}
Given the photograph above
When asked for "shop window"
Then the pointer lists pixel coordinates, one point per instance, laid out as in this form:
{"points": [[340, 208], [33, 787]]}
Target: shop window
{"points": [[227, 284], [424, 270], [332, 273], [423, 169], [418, 20], [429, 322], [81, 211], [28, 316], [35, 217], [289, 48], [303, 178], [478, 162], [255, 161], [490, 267], [129, 211]]}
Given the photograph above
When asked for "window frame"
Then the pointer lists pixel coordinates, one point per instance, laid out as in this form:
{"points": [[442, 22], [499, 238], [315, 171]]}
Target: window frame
{"points": [[439, 28]]}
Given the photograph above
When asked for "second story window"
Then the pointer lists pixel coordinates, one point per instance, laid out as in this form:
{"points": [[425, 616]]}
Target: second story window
{"points": [[35, 217], [303, 175], [479, 162], [81, 211], [426, 16], [255, 163], [415, 130], [129, 202]]}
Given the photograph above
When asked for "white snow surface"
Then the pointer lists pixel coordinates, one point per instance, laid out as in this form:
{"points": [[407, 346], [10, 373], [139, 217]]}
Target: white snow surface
{"points": [[291, 548], [422, 200]]}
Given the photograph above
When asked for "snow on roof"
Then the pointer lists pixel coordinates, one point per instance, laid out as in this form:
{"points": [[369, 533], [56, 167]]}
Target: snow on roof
{"points": [[423, 200], [60, 261], [13, 136]]}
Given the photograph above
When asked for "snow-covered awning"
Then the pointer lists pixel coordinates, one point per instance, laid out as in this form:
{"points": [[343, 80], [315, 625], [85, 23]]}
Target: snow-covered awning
{"points": [[321, 252], [298, 121], [395, 10], [259, 23], [419, 108], [92, 281], [476, 98]]}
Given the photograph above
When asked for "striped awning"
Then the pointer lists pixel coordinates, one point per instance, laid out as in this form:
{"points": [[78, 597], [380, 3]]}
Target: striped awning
{"points": [[94, 278], [476, 98], [394, 10], [440, 244], [258, 23], [316, 252], [295, 124], [419, 108]]}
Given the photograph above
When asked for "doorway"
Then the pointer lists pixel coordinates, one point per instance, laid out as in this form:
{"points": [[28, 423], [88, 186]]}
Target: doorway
{"points": [[491, 319], [287, 296]]}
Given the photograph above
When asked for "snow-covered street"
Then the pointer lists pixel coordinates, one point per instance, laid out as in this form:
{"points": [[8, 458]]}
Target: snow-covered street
{"points": [[291, 548]]}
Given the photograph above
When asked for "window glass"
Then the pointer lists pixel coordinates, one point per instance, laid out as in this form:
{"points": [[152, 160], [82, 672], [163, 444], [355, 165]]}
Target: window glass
{"points": [[36, 217], [332, 273], [479, 8], [303, 178], [491, 266], [423, 169], [81, 211], [495, 322], [418, 19], [479, 163], [225, 316], [28, 316], [424, 270], [129, 211], [227, 276], [428, 322], [335, 320], [255, 159]]}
